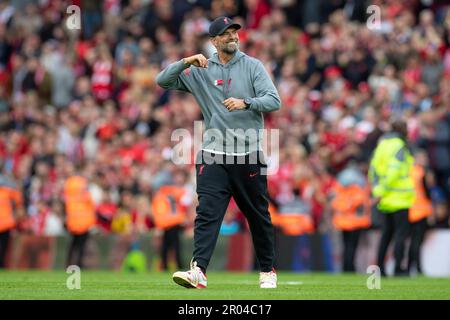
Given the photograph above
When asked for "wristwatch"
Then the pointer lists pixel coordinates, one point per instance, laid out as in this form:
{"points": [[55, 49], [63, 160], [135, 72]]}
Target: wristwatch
{"points": [[247, 102]]}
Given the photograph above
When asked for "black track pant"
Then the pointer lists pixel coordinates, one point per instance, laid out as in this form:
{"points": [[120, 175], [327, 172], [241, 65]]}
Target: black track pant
{"points": [[171, 240], [417, 234], [350, 245], [4, 243], [76, 250], [216, 183], [395, 225]]}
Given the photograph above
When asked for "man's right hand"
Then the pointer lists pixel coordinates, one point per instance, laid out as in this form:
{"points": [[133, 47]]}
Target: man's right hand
{"points": [[197, 60]]}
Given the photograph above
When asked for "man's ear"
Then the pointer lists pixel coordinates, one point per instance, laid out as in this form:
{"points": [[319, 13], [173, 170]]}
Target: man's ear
{"points": [[213, 40]]}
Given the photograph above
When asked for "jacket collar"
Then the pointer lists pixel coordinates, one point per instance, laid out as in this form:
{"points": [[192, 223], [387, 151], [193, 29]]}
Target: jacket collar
{"points": [[238, 55]]}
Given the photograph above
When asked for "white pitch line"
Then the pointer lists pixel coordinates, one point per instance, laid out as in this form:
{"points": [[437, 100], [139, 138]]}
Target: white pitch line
{"points": [[289, 283], [292, 283]]}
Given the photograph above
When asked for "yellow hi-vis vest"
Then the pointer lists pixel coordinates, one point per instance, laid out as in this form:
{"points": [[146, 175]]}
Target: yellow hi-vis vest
{"points": [[390, 174]]}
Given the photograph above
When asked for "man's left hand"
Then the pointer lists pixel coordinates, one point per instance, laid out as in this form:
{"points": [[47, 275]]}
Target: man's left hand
{"points": [[234, 104]]}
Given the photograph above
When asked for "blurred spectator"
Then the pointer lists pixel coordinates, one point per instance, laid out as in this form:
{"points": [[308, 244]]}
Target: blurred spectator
{"points": [[351, 207], [135, 261], [435, 138], [106, 210], [80, 216], [293, 217], [421, 209], [11, 204], [393, 191], [91, 17], [169, 206]]}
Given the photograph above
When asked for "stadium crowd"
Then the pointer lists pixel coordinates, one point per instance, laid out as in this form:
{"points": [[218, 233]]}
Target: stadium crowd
{"points": [[86, 101]]}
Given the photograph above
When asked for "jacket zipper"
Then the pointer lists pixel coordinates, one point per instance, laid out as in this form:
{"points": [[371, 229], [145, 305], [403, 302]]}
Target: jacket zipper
{"points": [[227, 83], [223, 84]]}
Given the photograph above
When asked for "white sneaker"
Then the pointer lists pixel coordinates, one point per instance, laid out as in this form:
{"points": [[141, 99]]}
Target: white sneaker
{"points": [[194, 278], [268, 279]]}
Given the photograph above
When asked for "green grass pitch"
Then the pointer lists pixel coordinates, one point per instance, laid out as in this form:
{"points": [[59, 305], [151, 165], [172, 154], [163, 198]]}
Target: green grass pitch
{"points": [[98, 285]]}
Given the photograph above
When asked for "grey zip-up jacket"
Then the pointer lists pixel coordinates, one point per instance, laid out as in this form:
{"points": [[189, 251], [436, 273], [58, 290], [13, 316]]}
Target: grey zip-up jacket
{"points": [[242, 77]]}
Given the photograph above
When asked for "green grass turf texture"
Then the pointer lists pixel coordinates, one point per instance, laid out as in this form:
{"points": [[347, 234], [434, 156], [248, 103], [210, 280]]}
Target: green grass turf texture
{"points": [[99, 285]]}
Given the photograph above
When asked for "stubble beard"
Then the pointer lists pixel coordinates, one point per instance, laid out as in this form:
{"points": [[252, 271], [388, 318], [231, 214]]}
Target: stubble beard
{"points": [[229, 48]]}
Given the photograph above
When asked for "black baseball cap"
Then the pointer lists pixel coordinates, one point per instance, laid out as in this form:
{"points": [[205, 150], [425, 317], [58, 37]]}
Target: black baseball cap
{"points": [[220, 24]]}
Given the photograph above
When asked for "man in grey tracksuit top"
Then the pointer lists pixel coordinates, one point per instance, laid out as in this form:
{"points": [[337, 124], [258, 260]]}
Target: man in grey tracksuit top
{"points": [[233, 90]]}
